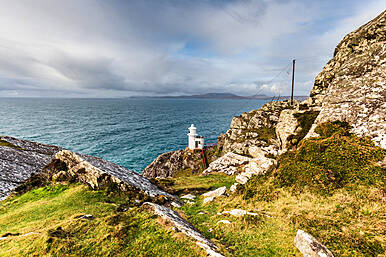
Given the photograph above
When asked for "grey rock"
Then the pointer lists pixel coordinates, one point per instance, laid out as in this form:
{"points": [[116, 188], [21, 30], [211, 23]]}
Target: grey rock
{"points": [[233, 188], [245, 130], [256, 166], [19, 162], [223, 222], [97, 172], [168, 164], [188, 196], [227, 164], [211, 195], [285, 127], [184, 226], [216, 193], [352, 86], [24, 158], [309, 246]]}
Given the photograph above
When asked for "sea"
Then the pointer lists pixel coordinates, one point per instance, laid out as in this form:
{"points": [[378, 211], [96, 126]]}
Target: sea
{"points": [[131, 132]]}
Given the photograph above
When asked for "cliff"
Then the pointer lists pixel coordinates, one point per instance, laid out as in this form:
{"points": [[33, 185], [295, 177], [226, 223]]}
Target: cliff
{"points": [[352, 86], [277, 174]]}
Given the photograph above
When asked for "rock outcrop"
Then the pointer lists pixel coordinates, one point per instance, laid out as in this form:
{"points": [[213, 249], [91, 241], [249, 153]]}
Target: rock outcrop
{"points": [[99, 173], [228, 164], [256, 128], [286, 126], [211, 195], [256, 166], [21, 159], [309, 246], [170, 163], [352, 86], [185, 227]]}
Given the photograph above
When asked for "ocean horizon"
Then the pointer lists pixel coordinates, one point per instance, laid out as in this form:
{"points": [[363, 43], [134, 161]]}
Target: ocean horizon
{"points": [[127, 131]]}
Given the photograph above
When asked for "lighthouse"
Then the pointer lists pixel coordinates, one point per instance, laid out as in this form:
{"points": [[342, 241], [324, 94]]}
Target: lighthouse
{"points": [[194, 141]]}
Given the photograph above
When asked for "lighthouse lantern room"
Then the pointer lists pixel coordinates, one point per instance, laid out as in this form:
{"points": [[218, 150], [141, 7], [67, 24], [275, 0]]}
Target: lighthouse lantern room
{"points": [[195, 141]]}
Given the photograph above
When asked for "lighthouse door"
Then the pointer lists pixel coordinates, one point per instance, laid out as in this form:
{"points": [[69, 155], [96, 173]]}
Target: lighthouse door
{"points": [[196, 144]]}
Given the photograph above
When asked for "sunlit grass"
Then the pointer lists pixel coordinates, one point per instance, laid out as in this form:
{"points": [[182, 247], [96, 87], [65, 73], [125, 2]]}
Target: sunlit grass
{"points": [[52, 215]]}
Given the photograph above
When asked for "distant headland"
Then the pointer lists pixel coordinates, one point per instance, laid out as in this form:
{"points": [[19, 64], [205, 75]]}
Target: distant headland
{"points": [[224, 96]]}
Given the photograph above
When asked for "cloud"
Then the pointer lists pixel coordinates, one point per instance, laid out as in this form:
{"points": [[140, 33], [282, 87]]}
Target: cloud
{"points": [[95, 48]]}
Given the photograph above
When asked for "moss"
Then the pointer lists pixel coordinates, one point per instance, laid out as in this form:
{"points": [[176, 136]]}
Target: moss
{"points": [[331, 161], [8, 144], [303, 107], [264, 133], [305, 121], [262, 187]]}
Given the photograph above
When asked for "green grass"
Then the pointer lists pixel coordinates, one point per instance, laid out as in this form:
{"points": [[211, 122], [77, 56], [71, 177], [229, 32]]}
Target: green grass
{"points": [[52, 213], [8, 144], [186, 182], [245, 236], [331, 187], [305, 121], [333, 160]]}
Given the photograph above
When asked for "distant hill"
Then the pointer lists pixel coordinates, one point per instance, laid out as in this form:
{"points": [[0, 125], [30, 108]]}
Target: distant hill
{"points": [[224, 96]]}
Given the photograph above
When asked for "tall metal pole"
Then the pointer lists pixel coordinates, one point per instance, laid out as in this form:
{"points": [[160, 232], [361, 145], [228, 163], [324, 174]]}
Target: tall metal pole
{"points": [[293, 81]]}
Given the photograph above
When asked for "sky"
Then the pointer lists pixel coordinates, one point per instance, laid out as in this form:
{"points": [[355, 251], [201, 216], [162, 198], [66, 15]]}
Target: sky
{"points": [[122, 48]]}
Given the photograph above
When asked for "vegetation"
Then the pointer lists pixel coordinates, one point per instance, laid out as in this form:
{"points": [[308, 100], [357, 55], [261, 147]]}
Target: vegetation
{"points": [[186, 182], [331, 187], [47, 222], [331, 161], [8, 144], [305, 121]]}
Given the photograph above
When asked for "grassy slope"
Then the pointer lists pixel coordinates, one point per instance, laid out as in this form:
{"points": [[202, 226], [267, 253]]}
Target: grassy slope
{"points": [[330, 187], [52, 212]]}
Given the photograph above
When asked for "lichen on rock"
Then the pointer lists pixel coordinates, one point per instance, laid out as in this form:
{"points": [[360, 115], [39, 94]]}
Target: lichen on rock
{"points": [[352, 86]]}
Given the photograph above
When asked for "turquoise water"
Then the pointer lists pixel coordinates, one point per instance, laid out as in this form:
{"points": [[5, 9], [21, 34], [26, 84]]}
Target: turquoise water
{"points": [[129, 132]]}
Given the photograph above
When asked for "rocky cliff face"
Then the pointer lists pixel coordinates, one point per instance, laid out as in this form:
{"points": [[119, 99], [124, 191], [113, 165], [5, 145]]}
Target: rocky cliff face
{"points": [[21, 159], [256, 128], [352, 86], [170, 163]]}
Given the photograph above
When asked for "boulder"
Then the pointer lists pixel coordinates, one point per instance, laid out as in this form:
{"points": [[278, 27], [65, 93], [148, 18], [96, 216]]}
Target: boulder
{"points": [[223, 222], [239, 213], [165, 165], [285, 127], [233, 188], [227, 164], [188, 197], [211, 195], [256, 166], [184, 226], [309, 246], [98, 173], [168, 164], [216, 193]]}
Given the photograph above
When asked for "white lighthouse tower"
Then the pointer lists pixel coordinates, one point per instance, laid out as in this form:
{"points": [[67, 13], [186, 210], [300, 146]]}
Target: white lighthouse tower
{"points": [[195, 141]]}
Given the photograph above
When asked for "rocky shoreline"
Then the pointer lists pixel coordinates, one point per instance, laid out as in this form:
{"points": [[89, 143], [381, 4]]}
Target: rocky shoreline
{"points": [[351, 90]]}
